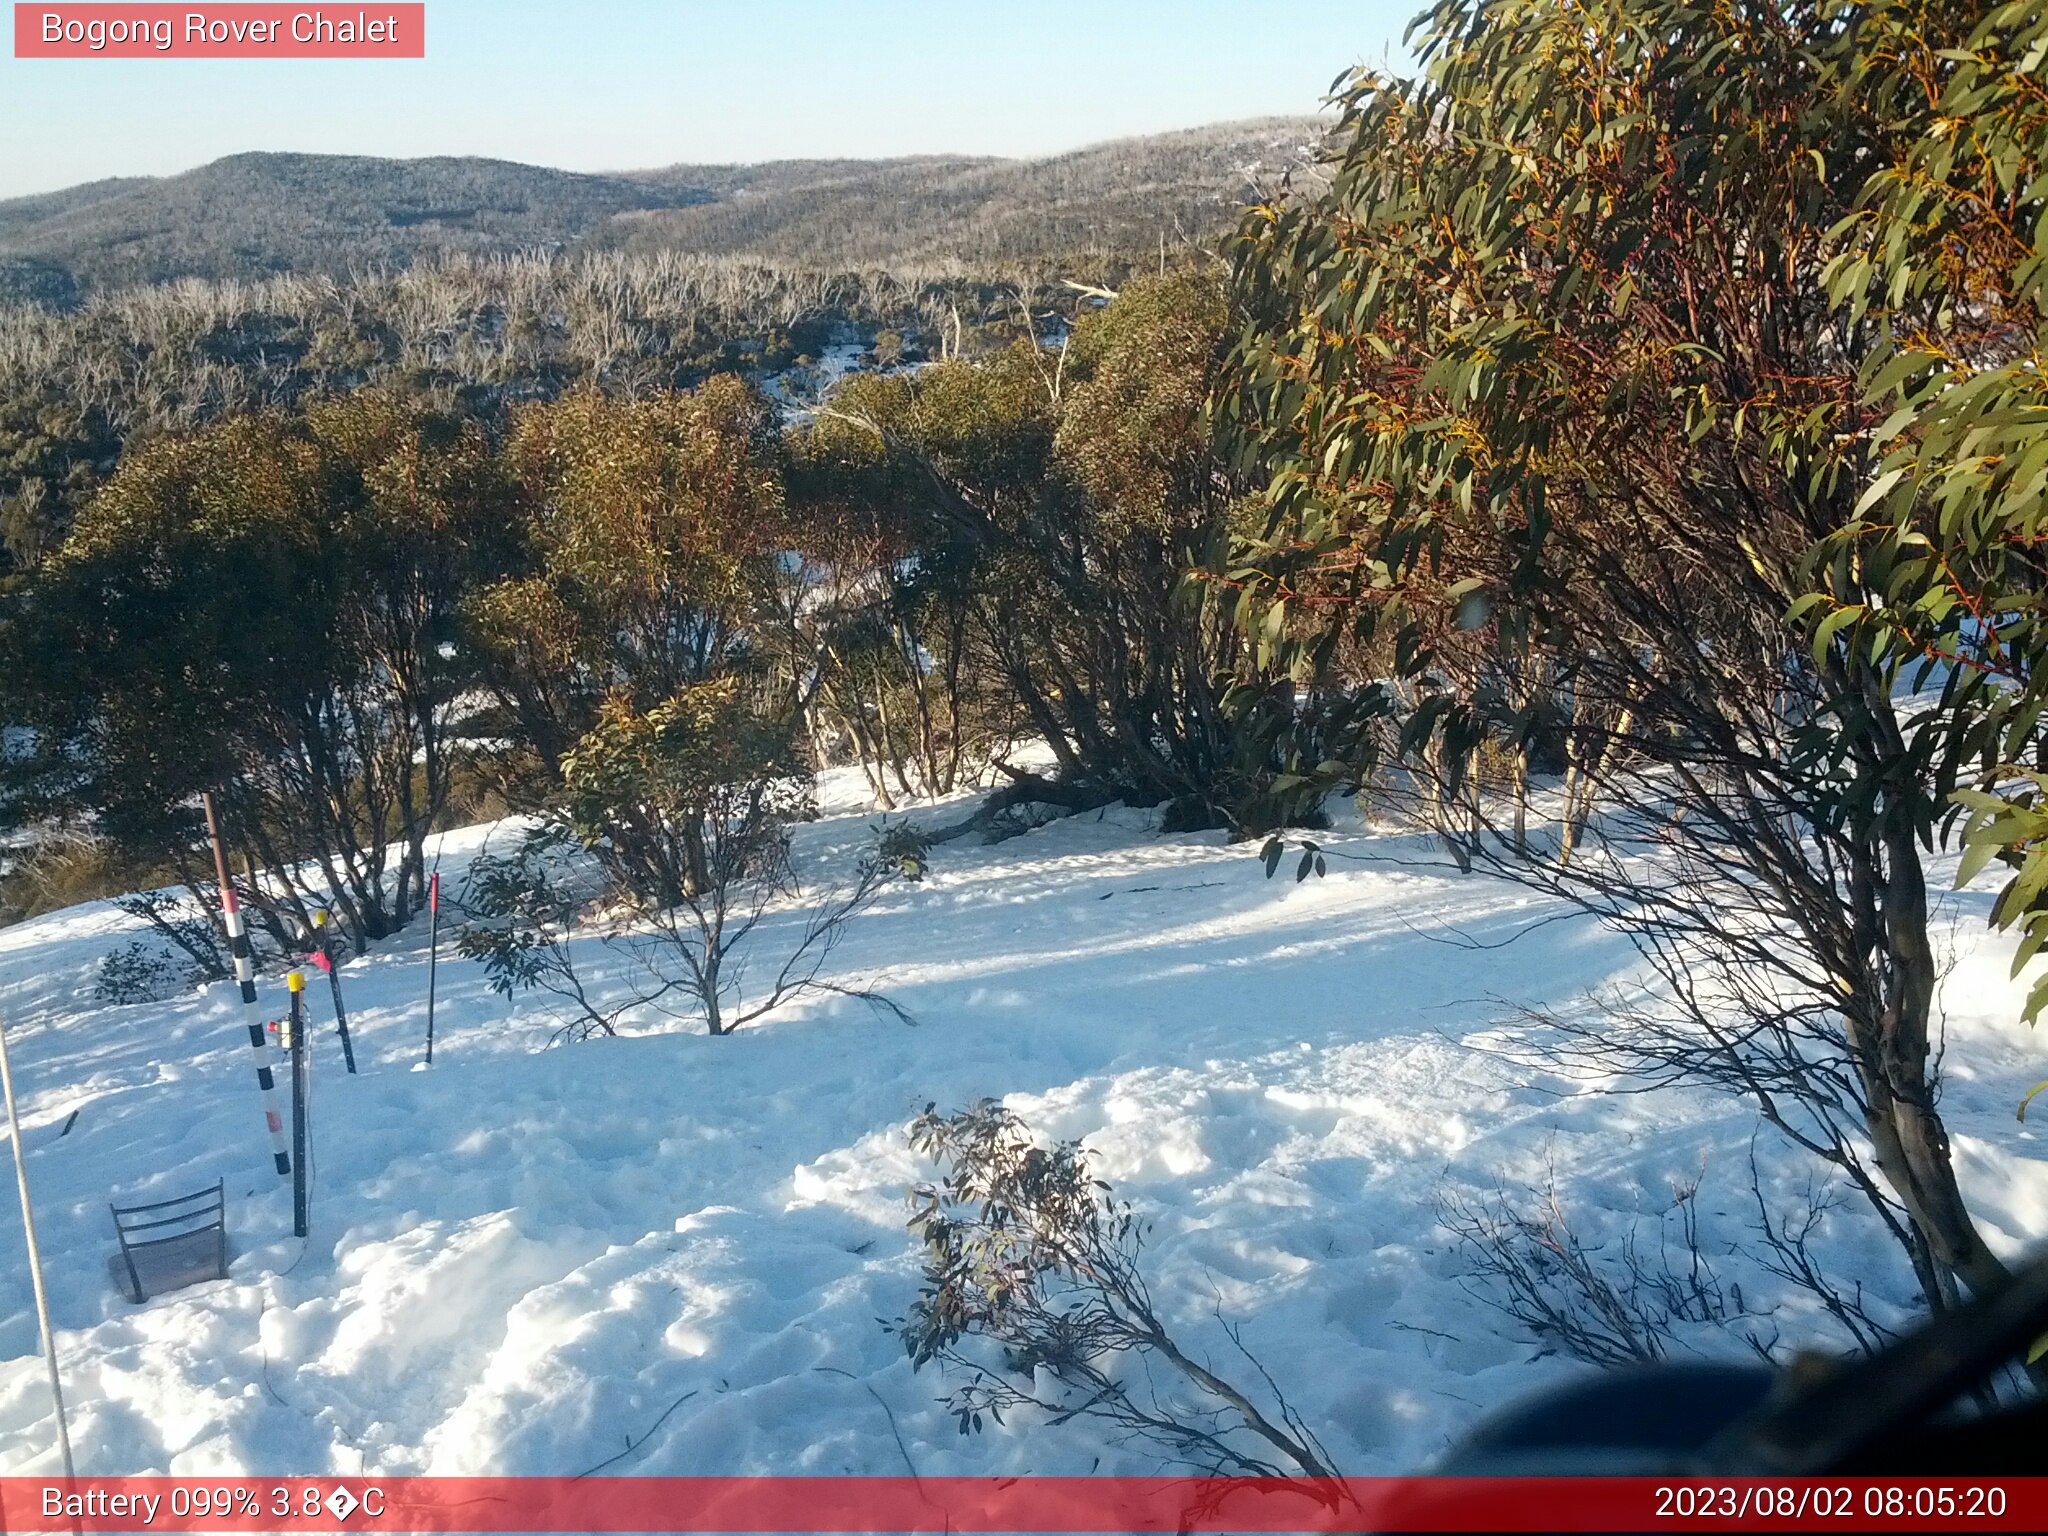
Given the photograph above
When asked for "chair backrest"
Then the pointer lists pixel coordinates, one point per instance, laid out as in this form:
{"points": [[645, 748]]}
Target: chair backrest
{"points": [[162, 1220]]}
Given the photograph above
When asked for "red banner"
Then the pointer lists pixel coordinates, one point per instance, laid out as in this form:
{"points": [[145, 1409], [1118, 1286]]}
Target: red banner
{"points": [[1051, 1504], [119, 31]]}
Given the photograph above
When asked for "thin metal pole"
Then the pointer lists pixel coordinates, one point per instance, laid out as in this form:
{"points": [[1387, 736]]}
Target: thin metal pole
{"points": [[324, 958], [433, 953], [35, 1254], [301, 1059]]}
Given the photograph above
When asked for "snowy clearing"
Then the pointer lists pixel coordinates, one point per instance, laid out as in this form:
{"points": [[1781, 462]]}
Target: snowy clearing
{"points": [[520, 1258]]}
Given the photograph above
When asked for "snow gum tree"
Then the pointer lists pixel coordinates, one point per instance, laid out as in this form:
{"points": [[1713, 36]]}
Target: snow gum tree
{"points": [[878, 627], [649, 529], [695, 793], [689, 808], [633, 659], [264, 609], [1936, 583], [1057, 496], [1556, 397]]}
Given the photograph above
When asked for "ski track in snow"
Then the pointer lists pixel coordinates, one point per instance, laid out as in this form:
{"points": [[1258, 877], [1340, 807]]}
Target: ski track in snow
{"points": [[521, 1257]]}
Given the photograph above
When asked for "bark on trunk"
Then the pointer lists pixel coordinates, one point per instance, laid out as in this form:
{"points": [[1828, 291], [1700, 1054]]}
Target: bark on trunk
{"points": [[1906, 1129]]}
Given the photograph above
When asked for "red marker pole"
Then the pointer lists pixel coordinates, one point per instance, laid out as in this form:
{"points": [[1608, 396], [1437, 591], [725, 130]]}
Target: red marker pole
{"points": [[323, 956], [433, 947]]}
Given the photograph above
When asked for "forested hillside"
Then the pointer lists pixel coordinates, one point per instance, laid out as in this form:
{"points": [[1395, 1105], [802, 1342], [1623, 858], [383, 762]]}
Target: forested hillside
{"points": [[486, 282], [257, 215], [79, 386], [1110, 197]]}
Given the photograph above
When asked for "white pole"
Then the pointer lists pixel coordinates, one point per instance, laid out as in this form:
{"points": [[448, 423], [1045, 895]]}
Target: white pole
{"points": [[35, 1256]]}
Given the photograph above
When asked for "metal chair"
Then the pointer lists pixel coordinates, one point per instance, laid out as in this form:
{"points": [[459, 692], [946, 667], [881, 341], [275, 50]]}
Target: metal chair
{"points": [[187, 1242]]}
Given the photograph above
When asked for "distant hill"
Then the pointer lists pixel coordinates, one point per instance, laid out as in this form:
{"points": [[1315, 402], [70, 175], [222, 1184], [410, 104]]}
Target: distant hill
{"points": [[260, 214], [1122, 195], [255, 215]]}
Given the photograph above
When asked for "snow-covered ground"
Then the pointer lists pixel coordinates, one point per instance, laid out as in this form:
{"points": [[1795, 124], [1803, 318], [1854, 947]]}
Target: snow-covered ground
{"points": [[521, 1257], [797, 391]]}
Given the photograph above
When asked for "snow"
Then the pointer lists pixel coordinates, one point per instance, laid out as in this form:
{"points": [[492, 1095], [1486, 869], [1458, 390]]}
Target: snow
{"points": [[796, 392], [522, 1257]]}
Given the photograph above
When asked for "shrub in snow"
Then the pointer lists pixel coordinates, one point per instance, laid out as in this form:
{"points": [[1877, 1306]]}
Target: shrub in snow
{"points": [[690, 797], [527, 908], [1607, 1304], [689, 806], [191, 935], [137, 973], [44, 873], [904, 849], [1030, 1254], [681, 902]]}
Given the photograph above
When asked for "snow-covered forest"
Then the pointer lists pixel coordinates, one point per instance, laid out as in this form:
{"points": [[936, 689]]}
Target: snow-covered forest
{"points": [[522, 1257]]}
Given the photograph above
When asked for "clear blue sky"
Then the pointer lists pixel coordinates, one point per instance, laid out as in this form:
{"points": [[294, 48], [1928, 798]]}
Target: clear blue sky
{"points": [[625, 84]]}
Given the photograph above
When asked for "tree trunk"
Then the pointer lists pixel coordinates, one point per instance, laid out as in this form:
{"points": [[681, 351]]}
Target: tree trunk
{"points": [[1442, 804], [1906, 1130], [1474, 816], [1521, 787], [1579, 781]]}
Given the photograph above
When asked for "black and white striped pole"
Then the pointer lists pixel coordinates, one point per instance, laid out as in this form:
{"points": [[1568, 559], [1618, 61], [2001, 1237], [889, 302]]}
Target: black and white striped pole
{"points": [[245, 977]]}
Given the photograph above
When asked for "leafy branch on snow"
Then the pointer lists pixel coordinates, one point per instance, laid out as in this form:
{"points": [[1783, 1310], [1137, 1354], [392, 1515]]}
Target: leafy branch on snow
{"points": [[1029, 1253]]}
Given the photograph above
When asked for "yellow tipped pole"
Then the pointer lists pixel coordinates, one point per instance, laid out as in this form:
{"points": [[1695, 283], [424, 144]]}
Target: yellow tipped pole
{"points": [[302, 1061]]}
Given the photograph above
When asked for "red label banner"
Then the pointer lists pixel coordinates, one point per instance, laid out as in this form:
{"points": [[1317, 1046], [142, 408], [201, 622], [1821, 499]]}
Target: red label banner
{"points": [[1091, 1505], [121, 31]]}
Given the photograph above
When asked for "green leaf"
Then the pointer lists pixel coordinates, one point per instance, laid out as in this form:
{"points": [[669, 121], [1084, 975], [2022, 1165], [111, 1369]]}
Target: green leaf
{"points": [[1826, 630], [1979, 849], [2032, 1093], [1874, 493]]}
